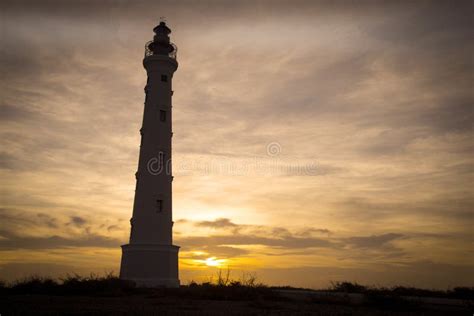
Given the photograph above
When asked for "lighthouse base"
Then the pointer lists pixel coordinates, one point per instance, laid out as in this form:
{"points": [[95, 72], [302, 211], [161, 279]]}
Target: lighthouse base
{"points": [[150, 265]]}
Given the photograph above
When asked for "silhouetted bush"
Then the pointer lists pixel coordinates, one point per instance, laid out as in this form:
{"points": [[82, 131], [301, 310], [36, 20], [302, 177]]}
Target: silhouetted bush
{"points": [[34, 285], [225, 288], [465, 293], [71, 285], [107, 285], [348, 287]]}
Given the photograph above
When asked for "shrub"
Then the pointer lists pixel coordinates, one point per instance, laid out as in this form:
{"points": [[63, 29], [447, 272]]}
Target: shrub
{"points": [[71, 285], [465, 293], [35, 285], [347, 287]]}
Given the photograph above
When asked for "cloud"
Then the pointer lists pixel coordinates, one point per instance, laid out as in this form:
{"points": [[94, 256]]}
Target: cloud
{"points": [[114, 227], [15, 113], [375, 241], [309, 231], [17, 220], [16, 242], [78, 221], [204, 251], [217, 223], [49, 221], [28, 230], [18, 270], [287, 242], [434, 207], [278, 237]]}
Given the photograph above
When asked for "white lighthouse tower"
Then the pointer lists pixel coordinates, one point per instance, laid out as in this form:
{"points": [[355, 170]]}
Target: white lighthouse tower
{"points": [[150, 259]]}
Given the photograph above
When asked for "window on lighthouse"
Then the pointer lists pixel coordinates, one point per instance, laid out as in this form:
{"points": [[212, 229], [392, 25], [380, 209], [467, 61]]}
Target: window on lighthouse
{"points": [[162, 115], [161, 160], [164, 78], [159, 206]]}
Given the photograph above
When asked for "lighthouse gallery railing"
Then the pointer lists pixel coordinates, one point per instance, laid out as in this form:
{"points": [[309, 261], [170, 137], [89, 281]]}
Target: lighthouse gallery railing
{"points": [[172, 54]]}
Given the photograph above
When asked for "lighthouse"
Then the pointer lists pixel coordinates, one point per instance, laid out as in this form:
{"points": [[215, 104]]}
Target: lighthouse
{"points": [[150, 258]]}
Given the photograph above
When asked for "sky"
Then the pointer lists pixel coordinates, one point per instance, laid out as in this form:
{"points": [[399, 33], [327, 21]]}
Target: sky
{"points": [[314, 141]]}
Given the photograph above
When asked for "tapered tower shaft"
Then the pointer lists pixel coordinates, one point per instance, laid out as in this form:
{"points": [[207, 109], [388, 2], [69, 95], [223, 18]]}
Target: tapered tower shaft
{"points": [[150, 258]]}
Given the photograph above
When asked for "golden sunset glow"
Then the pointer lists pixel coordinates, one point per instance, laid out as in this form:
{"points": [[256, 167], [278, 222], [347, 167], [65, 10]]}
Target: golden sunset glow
{"points": [[214, 262], [312, 142]]}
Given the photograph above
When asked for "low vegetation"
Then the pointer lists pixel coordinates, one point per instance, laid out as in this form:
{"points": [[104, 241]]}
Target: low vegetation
{"points": [[457, 292], [110, 295], [221, 286], [70, 285]]}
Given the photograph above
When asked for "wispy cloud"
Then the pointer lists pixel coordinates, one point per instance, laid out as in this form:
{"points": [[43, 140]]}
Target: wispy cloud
{"points": [[218, 223]]}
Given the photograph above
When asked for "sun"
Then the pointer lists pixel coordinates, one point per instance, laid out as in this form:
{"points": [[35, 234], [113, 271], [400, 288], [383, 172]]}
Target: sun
{"points": [[214, 262]]}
